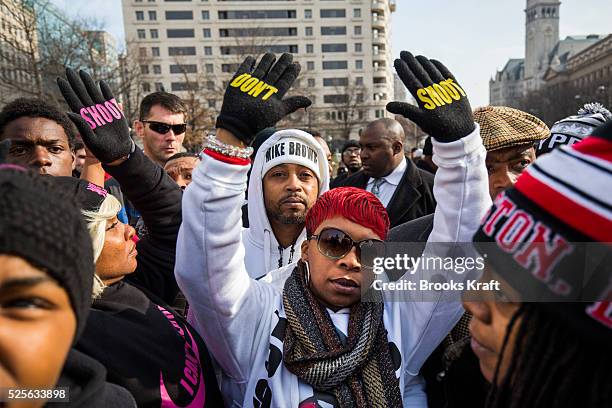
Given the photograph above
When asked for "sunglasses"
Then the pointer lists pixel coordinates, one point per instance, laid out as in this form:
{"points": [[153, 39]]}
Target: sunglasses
{"points": [[163, 128], [335, 244]]}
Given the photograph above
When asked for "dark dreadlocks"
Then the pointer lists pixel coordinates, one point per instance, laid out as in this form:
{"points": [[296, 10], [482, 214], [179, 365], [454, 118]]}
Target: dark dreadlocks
{"points": [[551, 366]]}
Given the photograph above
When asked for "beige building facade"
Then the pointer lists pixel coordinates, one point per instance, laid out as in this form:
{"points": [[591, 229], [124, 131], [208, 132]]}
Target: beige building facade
{"points": [[18, 46], [344, 48]]}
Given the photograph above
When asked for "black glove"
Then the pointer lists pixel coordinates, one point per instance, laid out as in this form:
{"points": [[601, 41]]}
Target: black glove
{"points": [[444, 111], [254, 100], [96, 114], [5, 145]]}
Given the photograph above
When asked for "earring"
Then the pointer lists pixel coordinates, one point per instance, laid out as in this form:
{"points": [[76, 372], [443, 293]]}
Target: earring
{"points": [[307, 274]]}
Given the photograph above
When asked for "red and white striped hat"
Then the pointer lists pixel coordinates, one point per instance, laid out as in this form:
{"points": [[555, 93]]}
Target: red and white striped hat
{"points": [[550, 236]]}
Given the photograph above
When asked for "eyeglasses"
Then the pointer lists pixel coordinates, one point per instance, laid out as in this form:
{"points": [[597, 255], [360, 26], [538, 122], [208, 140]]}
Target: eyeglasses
{"points": [[335, 244], [352, 151], [163, 128]]}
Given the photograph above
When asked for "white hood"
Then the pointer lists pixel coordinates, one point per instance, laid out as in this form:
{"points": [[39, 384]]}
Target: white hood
{"points": [[261, 247]]}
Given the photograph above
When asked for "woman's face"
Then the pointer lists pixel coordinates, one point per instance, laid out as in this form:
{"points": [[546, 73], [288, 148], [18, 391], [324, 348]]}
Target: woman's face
{"points": [[118, 256], [488, 329], [338, 283], [37, 326]]}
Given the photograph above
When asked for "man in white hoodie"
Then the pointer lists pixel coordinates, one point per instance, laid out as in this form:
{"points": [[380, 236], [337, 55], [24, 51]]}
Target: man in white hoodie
{"points": [[289, 172]]}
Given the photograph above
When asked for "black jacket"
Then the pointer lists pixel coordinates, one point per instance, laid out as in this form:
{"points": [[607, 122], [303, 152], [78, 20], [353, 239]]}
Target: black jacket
{"points": [[144, 344], [87, 388], [452, 372], [413, 197]]}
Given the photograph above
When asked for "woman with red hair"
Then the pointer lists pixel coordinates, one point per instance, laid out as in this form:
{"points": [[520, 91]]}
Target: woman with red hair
{"points": [[314, 340]]}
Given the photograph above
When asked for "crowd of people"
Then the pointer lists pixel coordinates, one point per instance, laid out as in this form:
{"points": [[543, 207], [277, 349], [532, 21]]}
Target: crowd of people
{"points": [[242, 275]]}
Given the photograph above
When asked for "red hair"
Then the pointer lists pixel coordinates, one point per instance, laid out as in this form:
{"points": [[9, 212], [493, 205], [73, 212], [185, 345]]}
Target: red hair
{"points": [[354, 204]]}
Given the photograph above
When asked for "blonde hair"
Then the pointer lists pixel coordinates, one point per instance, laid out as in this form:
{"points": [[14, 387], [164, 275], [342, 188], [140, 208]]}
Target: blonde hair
{"points": [[96, 225]]}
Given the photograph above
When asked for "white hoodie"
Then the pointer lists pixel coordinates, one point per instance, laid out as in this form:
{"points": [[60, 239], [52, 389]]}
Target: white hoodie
{"points": [[242, 319], [261, 247]]}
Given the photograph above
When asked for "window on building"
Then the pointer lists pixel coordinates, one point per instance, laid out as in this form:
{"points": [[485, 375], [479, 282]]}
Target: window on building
{"points": [[157, 69], [212, 103], [154, 33], [183, 69], [176, 51], [181, 33], [155, 51], [241, 50], [152, 15], [255, 14], [146, 87], [159, 87], [358, 80], [335, 99], [142, 52], [179, 15], [380, 113], [335, 30], [357, 13], [358, 47], [379, 80], [258, 32], [207, 50], [333, 13], [333, 47], [308, 31], [310, 65], [311, 82], [141, 34], [308, 13], [228, 68], [357, 30], [205, 15], [139, 15], [209, 68], [181, 86], [309, 48], [335, 81], [207, 33], [358, 64], [144, 69], [335, 64], [210, 85]]}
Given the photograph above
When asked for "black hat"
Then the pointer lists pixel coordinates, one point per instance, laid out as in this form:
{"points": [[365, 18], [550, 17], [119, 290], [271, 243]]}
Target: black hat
{"points": [[348, 144], [574, 128], [550, 236], [87, 196], [44, 227]]}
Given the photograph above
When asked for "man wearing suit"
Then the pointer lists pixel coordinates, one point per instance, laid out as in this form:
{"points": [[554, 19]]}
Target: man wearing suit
{"points": [[405, 190], [509, 136]]}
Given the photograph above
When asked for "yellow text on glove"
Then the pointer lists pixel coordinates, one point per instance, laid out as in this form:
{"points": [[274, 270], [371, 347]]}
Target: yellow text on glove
{"points": [[253, 86], [440, 94]]}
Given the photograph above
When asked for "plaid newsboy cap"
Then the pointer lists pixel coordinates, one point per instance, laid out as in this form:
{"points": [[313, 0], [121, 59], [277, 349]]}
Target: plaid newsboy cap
{"points": [[502, 127]]}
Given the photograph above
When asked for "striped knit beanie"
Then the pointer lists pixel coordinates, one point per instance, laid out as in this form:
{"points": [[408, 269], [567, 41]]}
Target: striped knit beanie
{"points": [[550, 236], [574, 128]]}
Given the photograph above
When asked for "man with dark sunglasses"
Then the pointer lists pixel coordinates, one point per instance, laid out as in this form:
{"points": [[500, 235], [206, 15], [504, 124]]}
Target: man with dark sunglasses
{"points": [[161, 126]]}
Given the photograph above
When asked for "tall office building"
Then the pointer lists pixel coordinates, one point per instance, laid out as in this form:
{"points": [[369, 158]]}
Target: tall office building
{"points": [[18, 48], [344, 48]]}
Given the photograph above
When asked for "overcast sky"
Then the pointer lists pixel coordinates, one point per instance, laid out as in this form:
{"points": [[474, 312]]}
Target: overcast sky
{"points": [[473, 38]]}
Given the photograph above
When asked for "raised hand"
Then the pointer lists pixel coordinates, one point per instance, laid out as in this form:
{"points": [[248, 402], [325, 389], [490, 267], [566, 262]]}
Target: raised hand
{"points": [[95, 112], [444, 111], [254, 100]]}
